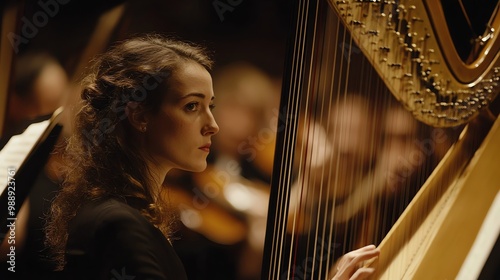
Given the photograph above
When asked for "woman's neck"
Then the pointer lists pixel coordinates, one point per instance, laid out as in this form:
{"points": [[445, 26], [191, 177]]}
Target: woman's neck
{"points": [[157, 176]]}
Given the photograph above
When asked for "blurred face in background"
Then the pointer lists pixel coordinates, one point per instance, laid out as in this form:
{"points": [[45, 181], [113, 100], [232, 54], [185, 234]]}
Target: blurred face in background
{"points": [[243, 97], [350, 132], [40, 87], [49, 88]]}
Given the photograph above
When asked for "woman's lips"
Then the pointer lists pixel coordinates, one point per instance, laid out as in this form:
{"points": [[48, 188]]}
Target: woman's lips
{"points": [[205, 147]]}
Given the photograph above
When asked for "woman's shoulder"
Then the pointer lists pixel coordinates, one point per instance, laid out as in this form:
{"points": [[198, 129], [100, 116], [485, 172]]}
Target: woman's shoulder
{"points": [[106, 208], [108, 236], [96, 214]]}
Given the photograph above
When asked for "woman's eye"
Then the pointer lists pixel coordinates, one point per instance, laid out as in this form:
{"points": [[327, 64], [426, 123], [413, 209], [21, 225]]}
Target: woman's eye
{"points": [[211, 106], [192, 106]]}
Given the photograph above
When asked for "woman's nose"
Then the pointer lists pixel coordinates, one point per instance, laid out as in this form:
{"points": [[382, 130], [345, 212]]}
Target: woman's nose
{"points": [[212, 127]]}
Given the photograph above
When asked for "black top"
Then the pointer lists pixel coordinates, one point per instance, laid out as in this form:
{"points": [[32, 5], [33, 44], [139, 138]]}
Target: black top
{"points": [[108, 239]]}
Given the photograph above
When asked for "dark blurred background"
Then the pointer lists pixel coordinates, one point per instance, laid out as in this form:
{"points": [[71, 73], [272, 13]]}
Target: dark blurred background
{"points": [[250, 30]]}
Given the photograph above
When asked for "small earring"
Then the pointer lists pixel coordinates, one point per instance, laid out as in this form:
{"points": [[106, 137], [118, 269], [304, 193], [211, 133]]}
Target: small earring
{"points": [[144, 128]]}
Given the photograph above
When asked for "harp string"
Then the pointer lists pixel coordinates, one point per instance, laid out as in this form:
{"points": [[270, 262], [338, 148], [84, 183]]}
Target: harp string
{"points": [[308, 181], [326, 99], [284, 179], [311, 96], [293, 109], [333, 98], [329, 38], [370, 92], [301, 211], [277, 237], [332, 238], [340, 96]]}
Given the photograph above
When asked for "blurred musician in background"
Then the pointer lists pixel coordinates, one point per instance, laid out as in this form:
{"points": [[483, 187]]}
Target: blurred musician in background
{"points": [[339, 144], [40, 87], [354, 163], [374, 159]]}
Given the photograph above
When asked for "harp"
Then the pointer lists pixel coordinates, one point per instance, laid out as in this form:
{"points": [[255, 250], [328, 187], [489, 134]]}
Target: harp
{"points": [[335, 185]]}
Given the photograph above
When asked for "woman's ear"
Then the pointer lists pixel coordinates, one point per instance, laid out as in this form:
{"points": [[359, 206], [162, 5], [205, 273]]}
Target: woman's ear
{"points": [[137, 116]]}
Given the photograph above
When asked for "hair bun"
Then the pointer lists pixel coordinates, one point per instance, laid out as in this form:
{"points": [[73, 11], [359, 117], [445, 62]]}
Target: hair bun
{"points": [[95, 98]]}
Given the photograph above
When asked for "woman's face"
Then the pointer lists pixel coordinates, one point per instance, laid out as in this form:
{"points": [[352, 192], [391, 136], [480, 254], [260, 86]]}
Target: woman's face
{"points": [[179, 135]]}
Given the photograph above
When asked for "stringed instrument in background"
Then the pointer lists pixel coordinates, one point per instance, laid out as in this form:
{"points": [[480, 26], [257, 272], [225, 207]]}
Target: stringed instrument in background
{"points": [[349, 173]]}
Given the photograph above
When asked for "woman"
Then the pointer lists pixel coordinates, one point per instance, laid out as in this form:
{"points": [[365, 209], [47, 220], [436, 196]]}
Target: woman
{"points": [[146, 109]]}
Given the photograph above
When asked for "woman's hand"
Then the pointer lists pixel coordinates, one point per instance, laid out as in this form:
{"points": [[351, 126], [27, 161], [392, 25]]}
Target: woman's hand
{"points": [[350, 266]]}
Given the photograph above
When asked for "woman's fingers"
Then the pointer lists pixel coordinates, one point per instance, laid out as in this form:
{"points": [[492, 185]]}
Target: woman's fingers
{"points": [[350, 265], [363, 254]]}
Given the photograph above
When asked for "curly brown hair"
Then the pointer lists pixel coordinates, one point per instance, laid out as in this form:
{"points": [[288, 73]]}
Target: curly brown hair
{"points": [[102, 160]]}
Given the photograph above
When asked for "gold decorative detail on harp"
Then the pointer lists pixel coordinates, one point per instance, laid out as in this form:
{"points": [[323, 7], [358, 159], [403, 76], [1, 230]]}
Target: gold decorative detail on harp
{"points": [[409, 44], [348, 159]]}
